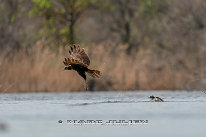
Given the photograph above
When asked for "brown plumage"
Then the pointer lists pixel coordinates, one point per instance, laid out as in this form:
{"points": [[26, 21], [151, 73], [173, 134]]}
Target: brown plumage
{"points": [[79, 61]]}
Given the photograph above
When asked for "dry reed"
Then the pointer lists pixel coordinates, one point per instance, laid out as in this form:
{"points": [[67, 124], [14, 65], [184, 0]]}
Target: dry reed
{"points": [[40, 69]]}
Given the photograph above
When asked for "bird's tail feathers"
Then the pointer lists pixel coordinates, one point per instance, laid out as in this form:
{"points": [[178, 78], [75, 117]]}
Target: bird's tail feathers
{"points": [[94, 73]]}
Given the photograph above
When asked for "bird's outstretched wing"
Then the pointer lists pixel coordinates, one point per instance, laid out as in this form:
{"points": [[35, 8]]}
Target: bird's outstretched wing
{"points": [[68, 61], [78, 55]]}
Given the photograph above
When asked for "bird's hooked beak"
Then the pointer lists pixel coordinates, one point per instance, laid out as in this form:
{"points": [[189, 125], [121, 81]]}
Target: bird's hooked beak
{"points": [[68, 67]]}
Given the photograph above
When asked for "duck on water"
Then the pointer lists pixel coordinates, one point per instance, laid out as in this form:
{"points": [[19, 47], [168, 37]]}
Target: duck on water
{"points": [[156, 99]]}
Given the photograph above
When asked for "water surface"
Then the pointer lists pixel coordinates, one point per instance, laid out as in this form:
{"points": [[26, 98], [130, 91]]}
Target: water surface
{"points": [[31, 115]]}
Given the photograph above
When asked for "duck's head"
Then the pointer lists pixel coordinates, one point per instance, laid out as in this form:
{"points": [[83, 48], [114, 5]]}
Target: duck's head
{"points": [[152, 97]]}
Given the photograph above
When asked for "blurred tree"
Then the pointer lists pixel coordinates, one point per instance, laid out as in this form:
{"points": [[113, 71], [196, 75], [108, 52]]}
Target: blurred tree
{"points": [[126, 16], [9, 40], [122, 13], [61, 16]]}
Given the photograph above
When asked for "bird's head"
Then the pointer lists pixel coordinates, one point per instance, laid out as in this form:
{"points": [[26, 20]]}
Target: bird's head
{"points": [[152, 97], [68, 67]]}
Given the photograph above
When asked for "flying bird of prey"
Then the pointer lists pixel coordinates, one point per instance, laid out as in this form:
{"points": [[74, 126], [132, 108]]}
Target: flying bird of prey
{"points": [[79, 61]]}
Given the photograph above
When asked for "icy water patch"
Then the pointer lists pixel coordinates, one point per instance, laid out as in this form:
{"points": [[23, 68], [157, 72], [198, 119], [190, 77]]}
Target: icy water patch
{"points": [[182, 114]]}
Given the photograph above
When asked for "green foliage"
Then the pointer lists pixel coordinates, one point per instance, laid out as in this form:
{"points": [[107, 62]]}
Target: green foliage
{"points": [[151, 8], [50, 24], [40, 7], [61, 16], [147, 8], [12, 18], [64, 32], [43, 4]]}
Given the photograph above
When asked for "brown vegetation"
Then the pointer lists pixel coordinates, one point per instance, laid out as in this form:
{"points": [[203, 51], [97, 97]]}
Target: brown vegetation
{"points": [[40, 69]]}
